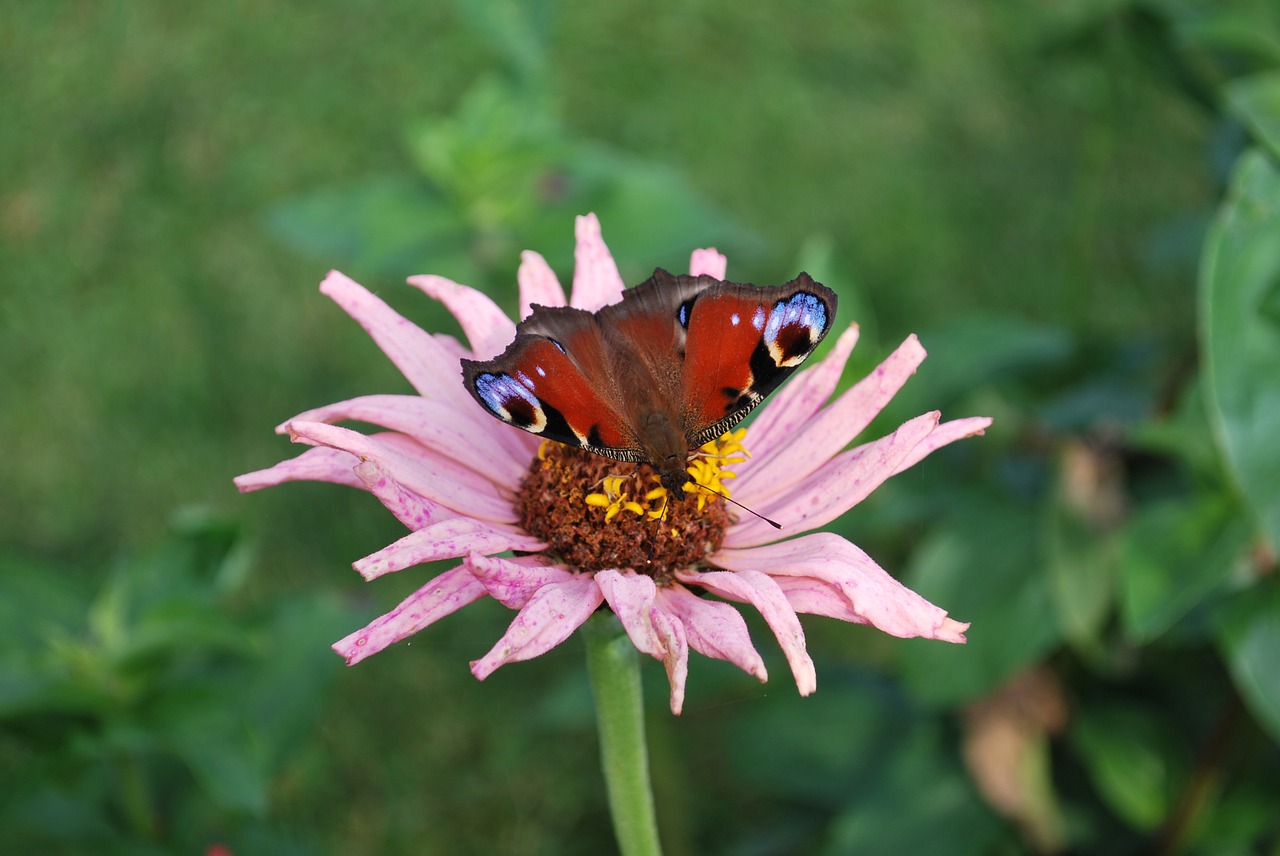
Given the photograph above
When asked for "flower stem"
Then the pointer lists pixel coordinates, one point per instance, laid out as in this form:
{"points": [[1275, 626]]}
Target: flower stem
{"points": [[614, 667]]}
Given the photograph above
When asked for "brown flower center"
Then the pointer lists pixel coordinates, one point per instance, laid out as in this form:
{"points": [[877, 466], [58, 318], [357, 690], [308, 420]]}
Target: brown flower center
{"points": [[595, 513]]}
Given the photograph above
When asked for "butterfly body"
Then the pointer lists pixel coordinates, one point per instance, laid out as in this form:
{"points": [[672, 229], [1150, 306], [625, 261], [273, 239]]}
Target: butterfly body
{"points": [[676, 363]]}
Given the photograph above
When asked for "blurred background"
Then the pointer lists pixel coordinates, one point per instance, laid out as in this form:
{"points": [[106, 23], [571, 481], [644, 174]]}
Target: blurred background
{"points": [[1076, 205]]}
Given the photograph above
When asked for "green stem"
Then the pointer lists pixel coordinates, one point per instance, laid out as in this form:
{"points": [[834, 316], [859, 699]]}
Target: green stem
{"points": [[614, 667]]}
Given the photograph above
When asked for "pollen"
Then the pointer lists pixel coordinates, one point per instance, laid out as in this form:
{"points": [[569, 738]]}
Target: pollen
{"points": [[596, 514]]}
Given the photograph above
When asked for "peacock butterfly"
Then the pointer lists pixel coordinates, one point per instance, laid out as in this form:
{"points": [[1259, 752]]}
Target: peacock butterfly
{"points": [[674, 364]]}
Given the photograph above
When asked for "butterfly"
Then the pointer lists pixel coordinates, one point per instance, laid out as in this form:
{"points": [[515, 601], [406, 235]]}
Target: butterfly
{"points": [[674, 364]]}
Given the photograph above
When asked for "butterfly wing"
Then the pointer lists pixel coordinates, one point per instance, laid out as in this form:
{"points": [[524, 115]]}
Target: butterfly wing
{"points": [[554, 381], [741, 343]]}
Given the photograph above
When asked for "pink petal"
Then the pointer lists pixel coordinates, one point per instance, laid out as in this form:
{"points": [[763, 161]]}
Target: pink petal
{"points": [[320, 464], [447, 593], [811, 444], [874, 597], [512, 582], [426, 473], [801, 397], [487, 327], [468, 436], [712, 628], [676, 659], [538, 283], [761, 591], [707, 262], [947, 432], [428, 366], [631, 596], [814, 597], [596, 282], [550, 616], [841, 484], [410, 509], [445, 539]]}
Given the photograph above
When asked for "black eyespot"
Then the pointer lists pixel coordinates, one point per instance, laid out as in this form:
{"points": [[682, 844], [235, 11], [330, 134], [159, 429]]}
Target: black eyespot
{"points": [[685, 311]]}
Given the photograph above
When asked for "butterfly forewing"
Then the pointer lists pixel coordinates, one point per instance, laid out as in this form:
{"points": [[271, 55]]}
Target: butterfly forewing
{"points": [[744, 341], [553, 381]]}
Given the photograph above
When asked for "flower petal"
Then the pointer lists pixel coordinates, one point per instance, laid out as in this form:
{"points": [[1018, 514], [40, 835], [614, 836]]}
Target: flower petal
{"points": [[487, 327], [447, 593], [811, 444], [801, 397], [422, 471], [841, 484], [761, 591], [631, 596], [707, 262], [420, 358], [874, 597], [676, 658], [445, 539], [512, 582], [410, 509], [596, 282], [538, 284], [319, 464], [470, 437], [550, 616], [712, 628], [947, 432]]}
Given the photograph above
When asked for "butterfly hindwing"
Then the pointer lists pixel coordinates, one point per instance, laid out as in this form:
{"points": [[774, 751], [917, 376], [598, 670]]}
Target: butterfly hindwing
{"points": [[742, 342]]}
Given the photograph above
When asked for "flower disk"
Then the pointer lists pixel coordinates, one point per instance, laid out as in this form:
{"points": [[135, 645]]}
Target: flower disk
{"points": [[631, 524]]}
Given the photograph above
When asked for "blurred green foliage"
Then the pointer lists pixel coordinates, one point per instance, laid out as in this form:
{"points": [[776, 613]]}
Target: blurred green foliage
{"points": [[1076, 206]]}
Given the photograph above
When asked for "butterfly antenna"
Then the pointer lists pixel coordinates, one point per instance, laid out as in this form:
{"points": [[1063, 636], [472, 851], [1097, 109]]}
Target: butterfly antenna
{"points": [[775, 524]]}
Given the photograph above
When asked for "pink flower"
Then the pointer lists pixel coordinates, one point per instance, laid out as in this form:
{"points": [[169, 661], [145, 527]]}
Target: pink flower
{"points": [[454, 476]]}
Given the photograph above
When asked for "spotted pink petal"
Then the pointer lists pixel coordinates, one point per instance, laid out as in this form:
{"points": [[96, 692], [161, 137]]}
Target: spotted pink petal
{"points": [[462, 436], [947, 432], [814, 597], [418, 355], [794, 404], [445, 594], [446, 539], [707, 262], [487, 327], [845, 481], [538, 284], [596, 282], [319, 464], [874, 596], [761, 591], [811, 445], [712, 628], [549, 618], [424, 472], [513, 582], [410, 509]]}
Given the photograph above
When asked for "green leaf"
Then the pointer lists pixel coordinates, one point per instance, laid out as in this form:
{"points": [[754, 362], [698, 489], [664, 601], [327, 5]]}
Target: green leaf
{"points": [[1135, 761], [922, 802], [1249, 639], [1240, 332], [1174, 554], [984, 568], [1256, 101]]}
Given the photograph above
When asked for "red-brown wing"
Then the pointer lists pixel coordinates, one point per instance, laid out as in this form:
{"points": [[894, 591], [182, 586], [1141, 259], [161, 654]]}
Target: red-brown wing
{"points": [[742, 342], [554, 381]]}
